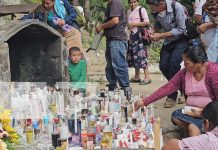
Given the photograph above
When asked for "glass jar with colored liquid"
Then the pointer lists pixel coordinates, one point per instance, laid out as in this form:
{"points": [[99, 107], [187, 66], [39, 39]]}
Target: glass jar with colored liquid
{"points": [[107, 137]]}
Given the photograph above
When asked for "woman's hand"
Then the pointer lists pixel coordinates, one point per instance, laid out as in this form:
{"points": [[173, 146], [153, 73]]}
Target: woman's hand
{"points": [[130, 25], [156, 37], [202, 28], [61, 22], [138, 104], [195, 112]]}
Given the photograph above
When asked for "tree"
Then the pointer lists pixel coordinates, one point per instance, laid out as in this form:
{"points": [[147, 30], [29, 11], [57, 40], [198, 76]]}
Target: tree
{"points": [[87, 10], [75, 2]]}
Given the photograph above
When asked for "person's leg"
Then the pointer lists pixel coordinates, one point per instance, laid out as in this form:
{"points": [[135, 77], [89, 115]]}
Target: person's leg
{"points": [[146, 79], [175, 61], [164, 61], [119, 64], [180, 123], [73, 39], [137, 74], [109, 71], [146, 74], [193, 130], [164, 68]]}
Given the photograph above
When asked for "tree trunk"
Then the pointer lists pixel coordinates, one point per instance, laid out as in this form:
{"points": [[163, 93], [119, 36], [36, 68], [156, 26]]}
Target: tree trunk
{"points": [[75, 2], [87, 10]]}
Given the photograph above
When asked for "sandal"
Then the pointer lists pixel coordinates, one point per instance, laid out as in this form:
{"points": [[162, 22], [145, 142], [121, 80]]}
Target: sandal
{"points": [[135, 80], [144, 82], [169, 103]]}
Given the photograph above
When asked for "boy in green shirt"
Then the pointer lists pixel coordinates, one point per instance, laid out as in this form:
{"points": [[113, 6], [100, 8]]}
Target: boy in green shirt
{"points": [[77, 69]]}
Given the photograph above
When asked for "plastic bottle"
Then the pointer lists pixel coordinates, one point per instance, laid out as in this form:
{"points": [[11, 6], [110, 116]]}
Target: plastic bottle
{"points": [[36, 130], [29, 134], [98, 134]]}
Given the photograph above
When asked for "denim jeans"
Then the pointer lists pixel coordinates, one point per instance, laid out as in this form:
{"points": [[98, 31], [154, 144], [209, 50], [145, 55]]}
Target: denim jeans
{"points": [[170, 59], [116, 68]]}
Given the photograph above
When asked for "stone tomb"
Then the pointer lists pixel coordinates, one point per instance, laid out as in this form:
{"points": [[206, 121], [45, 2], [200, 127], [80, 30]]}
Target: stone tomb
{"points": [[31, 51]]}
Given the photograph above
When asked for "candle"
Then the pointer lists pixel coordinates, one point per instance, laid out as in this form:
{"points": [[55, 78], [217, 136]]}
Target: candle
{"points": [[157, 134], [63, 132], [75, 121], [106, 106]]}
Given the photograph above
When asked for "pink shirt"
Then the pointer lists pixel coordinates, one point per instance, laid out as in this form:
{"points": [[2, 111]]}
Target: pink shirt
{"points": [[133, 16], [178, 83], [208, 141], [196, 91]]}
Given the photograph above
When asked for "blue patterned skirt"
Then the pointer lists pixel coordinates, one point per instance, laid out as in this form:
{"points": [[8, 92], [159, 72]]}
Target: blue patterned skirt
{"points": [[137, 55]]}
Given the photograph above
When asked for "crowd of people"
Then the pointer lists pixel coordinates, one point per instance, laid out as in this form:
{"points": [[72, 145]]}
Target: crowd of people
{"points": [[198, 81]]}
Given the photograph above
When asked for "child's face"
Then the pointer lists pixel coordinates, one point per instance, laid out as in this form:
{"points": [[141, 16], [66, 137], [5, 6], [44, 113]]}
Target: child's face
{"points": [[75, 56], [48, 4]]}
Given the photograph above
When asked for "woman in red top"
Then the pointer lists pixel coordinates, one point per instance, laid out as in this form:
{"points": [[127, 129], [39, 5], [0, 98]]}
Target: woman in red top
{"points": [[199, 81]]}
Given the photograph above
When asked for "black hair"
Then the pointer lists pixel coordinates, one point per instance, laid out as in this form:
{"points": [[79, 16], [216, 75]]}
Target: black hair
{"points": [[210, 112], [196, 53], [154, 2], [130, 0], [73, 49]]}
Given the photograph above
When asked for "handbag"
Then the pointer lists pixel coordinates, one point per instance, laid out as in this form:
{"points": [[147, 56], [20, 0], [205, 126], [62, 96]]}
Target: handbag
{"points": [[96, 41], [144, 31]]}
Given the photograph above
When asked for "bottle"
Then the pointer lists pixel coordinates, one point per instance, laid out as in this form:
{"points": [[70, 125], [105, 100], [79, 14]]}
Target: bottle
{"points": [[36, 130], [107, 137], [91, 124], [116, 103], [53, 106], [63, 131], [29, 134], [150, 141], [98, 134]]}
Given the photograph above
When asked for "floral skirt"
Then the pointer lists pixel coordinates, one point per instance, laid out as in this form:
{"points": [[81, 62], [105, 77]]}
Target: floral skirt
{"points": [[137, 55]]}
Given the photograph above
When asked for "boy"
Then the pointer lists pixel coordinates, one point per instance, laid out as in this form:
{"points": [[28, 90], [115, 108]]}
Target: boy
{"points": [[77, 69]]}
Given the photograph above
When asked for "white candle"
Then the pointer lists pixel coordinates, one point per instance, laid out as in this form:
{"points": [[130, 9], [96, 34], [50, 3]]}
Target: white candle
{"points": [[106, 106], [75, 121], [64, 132]]}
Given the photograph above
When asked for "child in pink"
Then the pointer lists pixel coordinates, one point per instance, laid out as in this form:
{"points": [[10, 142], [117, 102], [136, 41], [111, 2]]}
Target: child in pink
{"points": [[207, 141]]}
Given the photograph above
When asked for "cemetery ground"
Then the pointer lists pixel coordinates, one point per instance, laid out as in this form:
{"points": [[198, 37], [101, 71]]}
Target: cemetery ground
{"points": [[96, 73]]}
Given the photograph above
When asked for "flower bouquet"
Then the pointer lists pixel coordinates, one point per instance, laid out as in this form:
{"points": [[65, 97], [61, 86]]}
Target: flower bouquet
{"points": [[8, 135]]}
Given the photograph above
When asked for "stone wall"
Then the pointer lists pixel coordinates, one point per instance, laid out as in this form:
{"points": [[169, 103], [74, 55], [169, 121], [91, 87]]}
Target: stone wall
{"points": [[9, 2], [4, 63]]}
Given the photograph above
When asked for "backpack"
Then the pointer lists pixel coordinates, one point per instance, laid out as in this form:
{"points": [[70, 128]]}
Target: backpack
{"points": [[191, 29], [80, 19], [145, 31]]}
